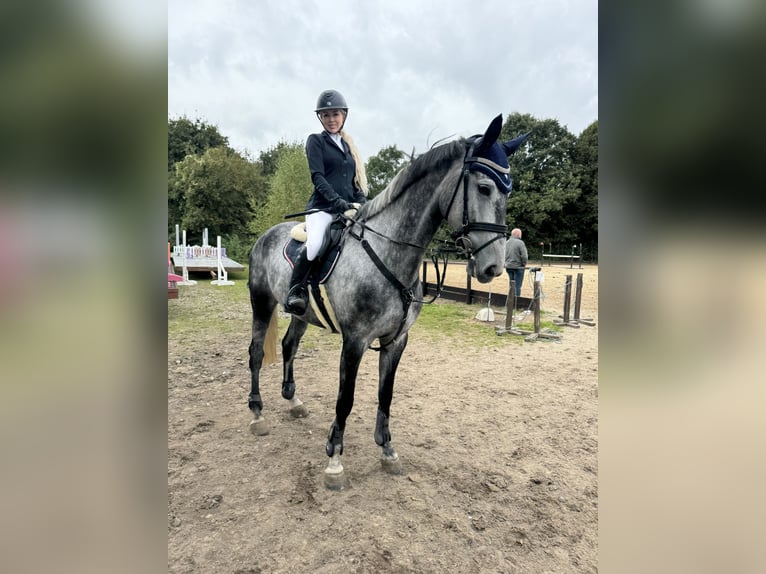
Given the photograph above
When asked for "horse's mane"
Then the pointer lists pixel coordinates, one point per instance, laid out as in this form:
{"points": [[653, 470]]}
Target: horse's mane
{"points": [[433, 159]]}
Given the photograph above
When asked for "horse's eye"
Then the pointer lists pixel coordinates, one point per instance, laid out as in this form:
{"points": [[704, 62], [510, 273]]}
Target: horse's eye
{"points": [[485, 188]]}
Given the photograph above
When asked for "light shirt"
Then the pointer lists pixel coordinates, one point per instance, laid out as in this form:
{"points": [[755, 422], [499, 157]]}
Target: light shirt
{"points": [[337, 139]]}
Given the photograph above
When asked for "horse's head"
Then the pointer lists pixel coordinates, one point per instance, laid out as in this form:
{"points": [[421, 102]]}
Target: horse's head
{"points": [[479, 219]]}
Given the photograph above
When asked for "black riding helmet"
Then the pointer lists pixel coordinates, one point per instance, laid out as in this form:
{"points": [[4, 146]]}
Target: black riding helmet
{"points": [[331, 100]]}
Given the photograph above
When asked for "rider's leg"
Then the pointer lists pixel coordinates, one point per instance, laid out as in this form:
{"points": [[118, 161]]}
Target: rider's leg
{"points": [[297, 296]]}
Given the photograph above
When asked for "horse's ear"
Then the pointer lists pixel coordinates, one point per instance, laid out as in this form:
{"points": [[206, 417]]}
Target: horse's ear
{"points": [[511, 146], [490, 135]]}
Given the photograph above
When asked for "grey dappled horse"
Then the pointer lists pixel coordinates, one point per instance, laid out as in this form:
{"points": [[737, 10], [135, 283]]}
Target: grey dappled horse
{"points": [[375, 290]]}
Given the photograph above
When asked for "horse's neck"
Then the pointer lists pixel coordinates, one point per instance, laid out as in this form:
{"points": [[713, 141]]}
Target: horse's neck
{"points": [[413, 218]]}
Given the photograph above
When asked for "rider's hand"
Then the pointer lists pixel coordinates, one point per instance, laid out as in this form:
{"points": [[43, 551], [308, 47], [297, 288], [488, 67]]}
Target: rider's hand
{"points": [[341, 205], [352, 209]]}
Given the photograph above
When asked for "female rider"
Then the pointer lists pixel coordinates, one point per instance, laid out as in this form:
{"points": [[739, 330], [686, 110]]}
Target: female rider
{"points": [[340, 184]]}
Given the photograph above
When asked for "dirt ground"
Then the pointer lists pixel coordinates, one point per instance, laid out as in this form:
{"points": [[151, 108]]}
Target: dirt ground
{"points": [[498, 448]]}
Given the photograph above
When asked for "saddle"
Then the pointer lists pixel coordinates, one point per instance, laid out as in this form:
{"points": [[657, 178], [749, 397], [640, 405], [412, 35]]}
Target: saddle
{"points": [[328, 253], [324, 264]]}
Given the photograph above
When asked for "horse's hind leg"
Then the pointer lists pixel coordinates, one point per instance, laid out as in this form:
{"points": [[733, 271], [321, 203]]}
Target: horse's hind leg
{"points": [[387, 365], [263, 309], [290, 344]]}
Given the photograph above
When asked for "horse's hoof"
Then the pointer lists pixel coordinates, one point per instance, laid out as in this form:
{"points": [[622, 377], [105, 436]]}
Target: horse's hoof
{"points": [[259, 427], [336, 481], [297, 409], [391, 464], [334, 477]]}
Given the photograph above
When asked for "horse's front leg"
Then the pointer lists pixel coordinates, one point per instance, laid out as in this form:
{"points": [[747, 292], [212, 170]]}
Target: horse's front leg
{"points": [[290, 344], [350, 357], [387, 365]]}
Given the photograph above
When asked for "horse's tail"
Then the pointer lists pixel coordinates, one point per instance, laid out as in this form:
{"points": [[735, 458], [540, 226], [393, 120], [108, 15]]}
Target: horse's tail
{"points": [[270, 341]]}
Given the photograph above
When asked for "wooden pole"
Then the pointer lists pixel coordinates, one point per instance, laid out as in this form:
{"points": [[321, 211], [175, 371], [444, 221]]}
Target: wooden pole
{"points": [[536, 307], [468, 289], [567, 302], [510, 305], [530, 336], [578, 300], [578, 297]]}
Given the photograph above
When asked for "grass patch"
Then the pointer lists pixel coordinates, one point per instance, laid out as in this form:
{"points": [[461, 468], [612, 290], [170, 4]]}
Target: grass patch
{"points": [[544, 326], [205, 310], [455, 321]]}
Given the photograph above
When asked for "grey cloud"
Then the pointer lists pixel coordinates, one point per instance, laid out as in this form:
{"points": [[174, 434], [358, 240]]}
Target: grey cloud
{"points": [[412, 72]]}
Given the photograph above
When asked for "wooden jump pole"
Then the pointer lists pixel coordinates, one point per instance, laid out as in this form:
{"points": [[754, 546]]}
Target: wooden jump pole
{"points": [[510, 305], [185, 272], [578, 300], [578, 297], [567, 297], [567, 302], [537, 333], [222, 275]]}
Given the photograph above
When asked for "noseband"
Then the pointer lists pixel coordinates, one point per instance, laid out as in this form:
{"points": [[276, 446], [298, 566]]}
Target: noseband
{"points": [[462, 241]]}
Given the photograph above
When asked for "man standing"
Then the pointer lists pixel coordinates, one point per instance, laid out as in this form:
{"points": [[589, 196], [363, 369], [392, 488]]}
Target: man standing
{"points": [[515, 258]]}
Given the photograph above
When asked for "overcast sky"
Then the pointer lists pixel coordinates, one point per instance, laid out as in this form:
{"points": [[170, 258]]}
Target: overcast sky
{"points": [[412, 71]]}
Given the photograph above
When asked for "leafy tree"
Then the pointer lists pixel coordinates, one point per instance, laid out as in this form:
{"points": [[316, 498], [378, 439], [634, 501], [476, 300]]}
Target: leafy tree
{"points": [[545, 181], [289, 189], [269, 159], [382, 167], [219, 188], [186, 137], [585, 210]]}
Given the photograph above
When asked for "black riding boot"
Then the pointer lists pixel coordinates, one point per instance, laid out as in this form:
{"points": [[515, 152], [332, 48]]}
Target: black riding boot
{"points": [[298, 296]]}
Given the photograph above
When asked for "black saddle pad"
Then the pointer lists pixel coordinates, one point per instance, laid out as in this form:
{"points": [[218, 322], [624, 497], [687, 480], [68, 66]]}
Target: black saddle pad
{"points": [[322, 269]]}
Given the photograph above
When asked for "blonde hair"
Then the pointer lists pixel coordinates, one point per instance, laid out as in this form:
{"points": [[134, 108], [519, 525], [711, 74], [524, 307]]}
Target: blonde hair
{"points": [[361, 175]]}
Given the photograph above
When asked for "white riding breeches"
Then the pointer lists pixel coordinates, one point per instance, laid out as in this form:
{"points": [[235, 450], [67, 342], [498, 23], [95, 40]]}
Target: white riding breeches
{"points": [[316, 223]]}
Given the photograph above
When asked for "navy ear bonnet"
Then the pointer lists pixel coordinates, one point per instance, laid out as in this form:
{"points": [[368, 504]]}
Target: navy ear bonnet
{"points": [[494, 163], [491, 158]]}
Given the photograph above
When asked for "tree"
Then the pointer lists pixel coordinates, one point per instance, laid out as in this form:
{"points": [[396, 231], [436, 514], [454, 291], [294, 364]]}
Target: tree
{"points": [[585, 210], [545, 181], [289, 189], [269, 159], [382, 168], [219, 187], [187, 137]]}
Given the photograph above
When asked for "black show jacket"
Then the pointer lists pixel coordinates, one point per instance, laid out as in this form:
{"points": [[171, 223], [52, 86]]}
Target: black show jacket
{"points": [[332, 173]]}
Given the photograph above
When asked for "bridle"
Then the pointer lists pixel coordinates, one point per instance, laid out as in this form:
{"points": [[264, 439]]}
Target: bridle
{"points": [[462, 241]]}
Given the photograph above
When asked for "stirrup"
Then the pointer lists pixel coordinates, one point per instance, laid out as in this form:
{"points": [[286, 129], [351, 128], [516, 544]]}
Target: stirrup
{"points": [[297, 300]]}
